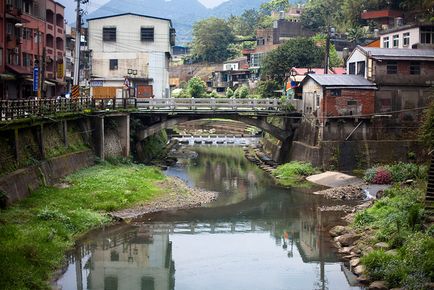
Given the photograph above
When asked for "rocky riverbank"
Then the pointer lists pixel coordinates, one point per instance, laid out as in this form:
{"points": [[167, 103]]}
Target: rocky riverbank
{"points": [[178, 196]]}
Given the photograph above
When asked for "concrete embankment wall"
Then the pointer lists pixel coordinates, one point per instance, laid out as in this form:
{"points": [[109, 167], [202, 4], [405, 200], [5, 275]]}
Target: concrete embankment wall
{"points": [[34, 153], [20, 183], [371, 143]]}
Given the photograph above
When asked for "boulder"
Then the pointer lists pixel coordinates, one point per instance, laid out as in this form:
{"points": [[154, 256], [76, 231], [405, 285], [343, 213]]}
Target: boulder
{"points": [[363, 279], [392, 252], [347, 239], [378, 285], [382, 246], [355, 262], [359, 270], [345, 250], [337, 231]]}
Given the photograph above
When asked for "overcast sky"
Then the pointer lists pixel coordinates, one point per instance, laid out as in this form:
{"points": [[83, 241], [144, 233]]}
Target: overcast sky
{"points": [[95, 4]]}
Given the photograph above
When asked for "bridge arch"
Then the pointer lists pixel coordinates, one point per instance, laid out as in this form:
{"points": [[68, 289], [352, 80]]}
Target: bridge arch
{"points": [[258, 121]]}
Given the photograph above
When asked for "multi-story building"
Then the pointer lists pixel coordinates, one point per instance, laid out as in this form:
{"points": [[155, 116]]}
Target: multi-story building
{"points": [[33, 36], [235, 73], [408, 36], [405, 77], [130, 55]]}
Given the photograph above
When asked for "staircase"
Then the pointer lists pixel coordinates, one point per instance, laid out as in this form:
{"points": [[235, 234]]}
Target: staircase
{"points": [[429, 198]]}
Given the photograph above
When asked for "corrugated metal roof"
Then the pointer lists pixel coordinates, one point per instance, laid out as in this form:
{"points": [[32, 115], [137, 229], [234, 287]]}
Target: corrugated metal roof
{"points": [[341, 80], [397, 53]]}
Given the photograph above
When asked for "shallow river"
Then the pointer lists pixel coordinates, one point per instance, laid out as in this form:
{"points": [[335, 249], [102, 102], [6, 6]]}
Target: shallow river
{"points": [[256, 235]]}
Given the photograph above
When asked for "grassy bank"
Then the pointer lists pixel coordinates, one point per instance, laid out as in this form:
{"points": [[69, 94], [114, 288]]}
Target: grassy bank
{"points": [[35, 233], [294, 173], [407, 260]]}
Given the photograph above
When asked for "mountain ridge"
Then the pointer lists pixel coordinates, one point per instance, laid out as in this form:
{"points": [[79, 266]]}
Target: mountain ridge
{"points": [[183, 13]]}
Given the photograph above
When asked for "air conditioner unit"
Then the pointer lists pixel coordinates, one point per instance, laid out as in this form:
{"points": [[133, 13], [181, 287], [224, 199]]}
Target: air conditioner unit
{"points": [[16, 50]]}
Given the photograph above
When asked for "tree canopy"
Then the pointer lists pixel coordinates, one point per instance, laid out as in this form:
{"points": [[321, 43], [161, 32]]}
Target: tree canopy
{"points": [[296, 52], [211, 40]]}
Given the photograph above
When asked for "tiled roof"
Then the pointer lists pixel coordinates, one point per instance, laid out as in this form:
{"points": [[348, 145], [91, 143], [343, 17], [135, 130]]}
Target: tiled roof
{"points": [[341, 81]]}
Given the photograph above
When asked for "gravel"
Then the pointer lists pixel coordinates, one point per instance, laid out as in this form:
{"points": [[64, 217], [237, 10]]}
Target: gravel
{"points": [[178, 196], [349, 192]]}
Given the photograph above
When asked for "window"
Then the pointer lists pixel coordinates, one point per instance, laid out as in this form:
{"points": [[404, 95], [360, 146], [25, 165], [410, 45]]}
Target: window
{"points": [[386, 42], [352, 103], [27, 33], [147, 33], [114, 256], [147, 283], [406, 39], [27, 59], [110, 283], [27, 7], [109, 34], [1, 56], [427, 35], [352, 68], [415, 68], [335, 92], [396, 40], [9, 56], [9, 29], [113, 64], [361, 68], [17, 59], [392, 67]]}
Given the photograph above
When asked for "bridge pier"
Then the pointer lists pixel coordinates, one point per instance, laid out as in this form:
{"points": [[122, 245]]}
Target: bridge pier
{"points": [[98, 136]]}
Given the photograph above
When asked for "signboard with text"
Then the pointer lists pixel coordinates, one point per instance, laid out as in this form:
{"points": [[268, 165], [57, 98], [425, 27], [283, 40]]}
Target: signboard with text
{"points": [[36, 79]]}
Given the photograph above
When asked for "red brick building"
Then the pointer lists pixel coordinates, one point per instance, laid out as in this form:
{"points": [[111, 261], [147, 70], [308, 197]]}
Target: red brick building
{"points": [[31, 35], [328, 96]]}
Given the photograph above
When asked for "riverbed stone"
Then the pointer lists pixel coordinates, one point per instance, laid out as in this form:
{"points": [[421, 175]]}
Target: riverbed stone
{"points": [[363, 279], [367, 250], [345, 250], [347, 239], [359, 270], [355, 262], [337, 231], [392, 252], [382, 246], [378, 285]]}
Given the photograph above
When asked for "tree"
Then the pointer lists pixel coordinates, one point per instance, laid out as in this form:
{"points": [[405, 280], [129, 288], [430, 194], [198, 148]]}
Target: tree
{"points": [[296, 52], [196, 87], [229, 93], [211, 40], [320, 40], [266, 88], [275, 5], [320, 14]]}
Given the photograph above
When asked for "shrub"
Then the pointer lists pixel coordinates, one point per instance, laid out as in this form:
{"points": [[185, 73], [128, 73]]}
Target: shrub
{"points": [[397, 172], [229, 93], [382, 176], [290, 173]]}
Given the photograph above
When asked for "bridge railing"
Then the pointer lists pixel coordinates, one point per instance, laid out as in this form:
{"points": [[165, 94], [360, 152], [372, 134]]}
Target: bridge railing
{"points": [[20, 109], [174, 104]]}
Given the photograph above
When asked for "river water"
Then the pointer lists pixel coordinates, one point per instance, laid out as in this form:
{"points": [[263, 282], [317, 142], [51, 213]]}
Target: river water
{"points": [[256, 235]]}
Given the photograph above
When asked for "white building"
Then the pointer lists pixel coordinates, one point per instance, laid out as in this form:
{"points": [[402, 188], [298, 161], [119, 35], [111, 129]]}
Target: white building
{"points": [[130, 55], [408, 36]]}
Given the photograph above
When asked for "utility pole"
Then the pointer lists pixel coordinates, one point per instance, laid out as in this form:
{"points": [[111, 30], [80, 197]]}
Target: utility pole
{"points": [[327, 52], [77, 45]]}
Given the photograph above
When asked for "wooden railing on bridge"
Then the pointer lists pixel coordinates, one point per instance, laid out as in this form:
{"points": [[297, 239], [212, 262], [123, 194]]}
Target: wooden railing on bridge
{"points": [[21, 109]]}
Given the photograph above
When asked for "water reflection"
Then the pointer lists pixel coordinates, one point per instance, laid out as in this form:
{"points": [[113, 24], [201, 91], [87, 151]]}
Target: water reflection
{"points": [[255, 236]]}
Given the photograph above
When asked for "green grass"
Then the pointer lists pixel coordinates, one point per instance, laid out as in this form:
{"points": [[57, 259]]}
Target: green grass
{"points": [[36, 233], [294, 173], [397, 219]]}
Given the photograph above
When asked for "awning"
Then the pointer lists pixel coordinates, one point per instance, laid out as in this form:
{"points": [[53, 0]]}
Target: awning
{"points": [[7, 77], [48, 83], [18, 69]]}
